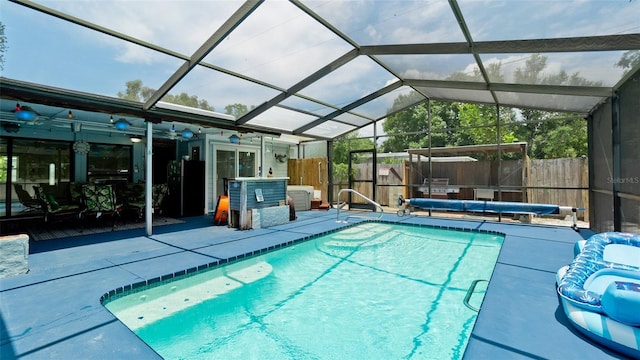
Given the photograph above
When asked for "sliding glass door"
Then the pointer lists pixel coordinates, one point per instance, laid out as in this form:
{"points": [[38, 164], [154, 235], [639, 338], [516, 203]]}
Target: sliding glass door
{"points": [[25, 163], [232, 162]]}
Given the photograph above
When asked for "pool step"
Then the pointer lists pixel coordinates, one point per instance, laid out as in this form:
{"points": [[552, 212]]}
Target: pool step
{"points": [[143, 308]]}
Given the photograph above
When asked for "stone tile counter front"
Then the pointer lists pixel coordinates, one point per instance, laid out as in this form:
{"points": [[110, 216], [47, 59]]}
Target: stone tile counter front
{"points": [[14, 254]]}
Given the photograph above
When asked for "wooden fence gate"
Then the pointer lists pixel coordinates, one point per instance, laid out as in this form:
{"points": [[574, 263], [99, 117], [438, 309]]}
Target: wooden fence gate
{"points": [[312, 172]]}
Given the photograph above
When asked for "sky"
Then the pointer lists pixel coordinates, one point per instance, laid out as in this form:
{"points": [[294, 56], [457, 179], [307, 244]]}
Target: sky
{"points": [[281, 45]]}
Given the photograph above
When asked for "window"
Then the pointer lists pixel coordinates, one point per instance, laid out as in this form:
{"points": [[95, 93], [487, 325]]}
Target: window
{"points": [[33, 162], [109, 162]]}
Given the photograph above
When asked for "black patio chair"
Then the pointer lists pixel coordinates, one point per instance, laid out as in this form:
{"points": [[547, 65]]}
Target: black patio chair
{"points": [[25, 198]]}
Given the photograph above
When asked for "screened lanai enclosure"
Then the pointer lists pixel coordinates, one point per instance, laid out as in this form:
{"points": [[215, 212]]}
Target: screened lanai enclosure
{"points": [[413, 98]]}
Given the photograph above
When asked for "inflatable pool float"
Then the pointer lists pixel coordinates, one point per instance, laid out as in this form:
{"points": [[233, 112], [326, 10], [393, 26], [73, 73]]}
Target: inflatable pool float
{"points": [[600, 291]]}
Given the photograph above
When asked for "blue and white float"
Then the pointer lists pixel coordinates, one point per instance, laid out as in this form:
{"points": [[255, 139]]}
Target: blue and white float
{"points": [[600, 290]]}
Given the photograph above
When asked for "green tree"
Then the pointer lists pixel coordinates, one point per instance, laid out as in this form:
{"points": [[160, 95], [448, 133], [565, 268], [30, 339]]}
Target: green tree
{"points": [[493, 70], [237, 110], [629, 60], [136, 91], [478, 125], [530, 74], [342, 145], [4, 166], [408, 129], [188, 100], [540, 129], [453, 124], [561, 138]]}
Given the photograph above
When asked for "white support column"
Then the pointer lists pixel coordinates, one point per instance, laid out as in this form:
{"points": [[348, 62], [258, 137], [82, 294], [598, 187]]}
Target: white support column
{"points": [[148, 194], [263, 157]]}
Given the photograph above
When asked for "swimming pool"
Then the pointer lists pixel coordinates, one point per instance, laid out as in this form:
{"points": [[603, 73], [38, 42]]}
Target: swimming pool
{"points": [[371, 291]]}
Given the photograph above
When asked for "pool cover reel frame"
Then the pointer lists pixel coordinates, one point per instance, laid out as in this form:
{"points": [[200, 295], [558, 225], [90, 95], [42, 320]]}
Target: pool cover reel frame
{"points": [[485, 206]]}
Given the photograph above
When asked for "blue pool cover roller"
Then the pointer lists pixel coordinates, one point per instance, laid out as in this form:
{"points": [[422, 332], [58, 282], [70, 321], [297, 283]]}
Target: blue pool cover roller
{"points": [[485, 206]]}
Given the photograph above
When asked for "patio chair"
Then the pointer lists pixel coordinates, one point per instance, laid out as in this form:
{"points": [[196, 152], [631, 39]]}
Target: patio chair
{"points": [[100, 200], [159, 193], [53, 211], [136, 202], [25, 198], [132, 198]]}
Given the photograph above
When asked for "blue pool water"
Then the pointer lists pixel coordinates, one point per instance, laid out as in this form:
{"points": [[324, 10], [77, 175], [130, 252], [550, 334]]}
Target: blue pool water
{"points": [[372, 291]]}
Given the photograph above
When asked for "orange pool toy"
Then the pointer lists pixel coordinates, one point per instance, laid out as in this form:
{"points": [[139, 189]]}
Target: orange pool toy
{"points": [[222, 210]]}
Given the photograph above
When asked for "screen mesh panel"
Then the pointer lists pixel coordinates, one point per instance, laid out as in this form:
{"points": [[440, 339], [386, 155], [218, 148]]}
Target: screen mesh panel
{"points": [[630, 137]]}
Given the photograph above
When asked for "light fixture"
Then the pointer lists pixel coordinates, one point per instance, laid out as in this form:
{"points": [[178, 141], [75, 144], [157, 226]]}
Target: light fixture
{"points": [[136, 139], [122, 124], [70, 115], [76, 127], [173, 135], [186, 133], [25, 113], [234, 139]]}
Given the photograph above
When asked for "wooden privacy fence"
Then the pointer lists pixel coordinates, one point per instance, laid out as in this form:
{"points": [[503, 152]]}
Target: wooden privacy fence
{"points": [[553, 181], [550, 181], [560, 173], [310, 171]]}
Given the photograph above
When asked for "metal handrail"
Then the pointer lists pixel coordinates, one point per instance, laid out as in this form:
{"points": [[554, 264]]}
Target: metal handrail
{"points": [[357, 216], [470, 292]]}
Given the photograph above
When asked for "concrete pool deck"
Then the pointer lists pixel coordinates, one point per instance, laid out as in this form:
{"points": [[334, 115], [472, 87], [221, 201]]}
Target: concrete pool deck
{"points": [[54, 311]]}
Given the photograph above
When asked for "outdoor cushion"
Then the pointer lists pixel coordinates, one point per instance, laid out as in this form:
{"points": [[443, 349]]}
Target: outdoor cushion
{"points": [[43, 198], [159, 191], [99, 198], [75, 193], [53, 210], [49, 202]]}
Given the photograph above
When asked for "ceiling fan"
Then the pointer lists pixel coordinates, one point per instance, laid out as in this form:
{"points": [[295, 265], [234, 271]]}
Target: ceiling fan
{"points": [[10, 127]]}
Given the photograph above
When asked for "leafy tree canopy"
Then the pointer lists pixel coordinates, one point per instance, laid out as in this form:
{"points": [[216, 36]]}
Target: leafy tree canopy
{"points": [[629, 60], [188, 100], [237, 110], [342, 145], [478, 125], [562, 138], [348, 142], [411, 125], [136, 91], [538, 128], [548, 134]]}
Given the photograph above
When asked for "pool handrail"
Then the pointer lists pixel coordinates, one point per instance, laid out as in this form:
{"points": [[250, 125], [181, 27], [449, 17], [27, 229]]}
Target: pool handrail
{"points": [[470, 292], [357, 216]]}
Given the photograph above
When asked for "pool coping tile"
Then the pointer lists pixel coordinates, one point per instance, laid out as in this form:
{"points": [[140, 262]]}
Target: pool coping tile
{"points": [[529, 256]]}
